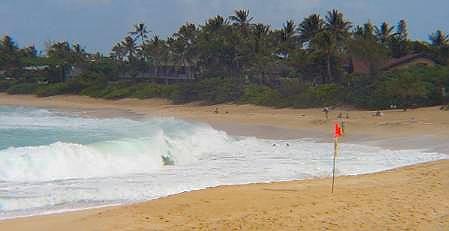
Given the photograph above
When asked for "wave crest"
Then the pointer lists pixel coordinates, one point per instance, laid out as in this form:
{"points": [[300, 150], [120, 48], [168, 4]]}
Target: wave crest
{"points": [[61, 160]]}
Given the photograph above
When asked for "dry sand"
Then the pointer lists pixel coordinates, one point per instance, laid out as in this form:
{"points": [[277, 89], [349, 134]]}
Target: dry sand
{"points": [[415, 197]]}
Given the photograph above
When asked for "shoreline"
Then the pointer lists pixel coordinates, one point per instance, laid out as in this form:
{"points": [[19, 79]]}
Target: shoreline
{"points": [[399, 130], [395, 130], [394, 123], [118, 205], [315, 192]]}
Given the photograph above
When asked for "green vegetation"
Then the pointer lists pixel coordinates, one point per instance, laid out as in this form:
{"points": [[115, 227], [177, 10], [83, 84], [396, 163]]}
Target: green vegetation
{"points": [[22, 88], [235, 59], [417, 86]]}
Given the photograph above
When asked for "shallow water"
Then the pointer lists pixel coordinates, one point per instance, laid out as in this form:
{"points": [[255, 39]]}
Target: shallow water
{"points": [[52, 161]]}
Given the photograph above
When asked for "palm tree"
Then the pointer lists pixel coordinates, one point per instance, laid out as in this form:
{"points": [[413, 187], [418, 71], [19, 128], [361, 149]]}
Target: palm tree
{"points": [[439, 39], [59, 50], [241, 19], [288, 35], [309, 27], [140, 31], [384, 33], [338, 26], [162, 50], [402, 30], [399, 42], [183, 43], [288, 30], [8, 45], [118, 52], [262, 51], [260, 32], [157, 51], [129, 48], [215, 23], [324, 43], [365, 32], [78, 52]]}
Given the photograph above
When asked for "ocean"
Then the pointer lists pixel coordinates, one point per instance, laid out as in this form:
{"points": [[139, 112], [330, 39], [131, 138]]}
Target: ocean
{"points": [[53, 161]]}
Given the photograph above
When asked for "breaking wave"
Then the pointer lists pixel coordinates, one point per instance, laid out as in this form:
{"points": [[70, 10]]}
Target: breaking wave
{"points": [[54, 161]]}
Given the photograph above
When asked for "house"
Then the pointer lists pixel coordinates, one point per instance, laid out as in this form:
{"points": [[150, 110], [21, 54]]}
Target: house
{"points": [[72, 72], [163, 74], [36, 68], [358, 66]]}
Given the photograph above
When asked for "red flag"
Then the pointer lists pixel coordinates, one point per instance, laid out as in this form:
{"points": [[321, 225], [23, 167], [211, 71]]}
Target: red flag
{"points": [[338, 130]]}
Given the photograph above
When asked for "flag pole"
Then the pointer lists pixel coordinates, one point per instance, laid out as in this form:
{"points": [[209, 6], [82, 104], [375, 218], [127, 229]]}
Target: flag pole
{"points": [[335, 157]]}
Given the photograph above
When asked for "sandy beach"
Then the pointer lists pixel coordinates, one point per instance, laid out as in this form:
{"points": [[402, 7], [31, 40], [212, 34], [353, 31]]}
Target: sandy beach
{"points": [[290, 123], [413, 198]]}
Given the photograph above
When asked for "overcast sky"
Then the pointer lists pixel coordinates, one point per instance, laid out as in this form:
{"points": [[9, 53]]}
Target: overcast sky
{"points": [[97, 24]]}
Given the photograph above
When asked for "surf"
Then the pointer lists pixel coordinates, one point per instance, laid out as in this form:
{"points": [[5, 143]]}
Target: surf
{"points": [[54, 161]]}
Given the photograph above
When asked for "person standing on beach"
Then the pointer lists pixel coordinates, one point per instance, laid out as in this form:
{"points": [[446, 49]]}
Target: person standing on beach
{"points": [[326, 112]]}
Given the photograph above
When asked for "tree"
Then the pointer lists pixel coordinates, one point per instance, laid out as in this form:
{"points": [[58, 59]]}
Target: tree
{"points": [[262, 50], [118, 52], [183, 43], [309, 28], [129, 48], [324, 44], [8, 45], [60, 51], [157, 51], [29, 52], [260, 34], [214, 24], [79, 53], [439, 39], [140, 31], [242, 19], [288, 30], [399, 42], [402, 31], [218, 48], [9, 57], [440, 47], [405, 88], [364, 47], [288, 38], [384, 33], [365, 32], [338, 26]]}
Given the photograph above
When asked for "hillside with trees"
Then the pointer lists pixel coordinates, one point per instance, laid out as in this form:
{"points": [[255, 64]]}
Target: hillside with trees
{"points": [[320, 61]]}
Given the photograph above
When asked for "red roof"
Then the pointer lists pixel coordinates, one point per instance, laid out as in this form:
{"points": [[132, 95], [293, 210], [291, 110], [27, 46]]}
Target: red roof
{"points": [[362, 66], [404, 59]]}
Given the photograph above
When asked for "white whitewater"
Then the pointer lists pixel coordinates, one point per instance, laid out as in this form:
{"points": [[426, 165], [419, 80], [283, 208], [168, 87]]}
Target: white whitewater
{"points": [[50, 161]]}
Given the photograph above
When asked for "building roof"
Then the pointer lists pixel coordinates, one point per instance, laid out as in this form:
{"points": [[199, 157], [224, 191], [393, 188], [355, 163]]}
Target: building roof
{"points": [[402, 60], [362, 66]]}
